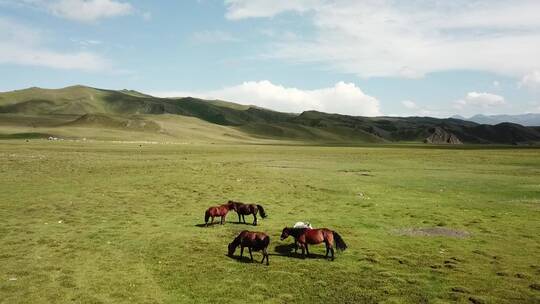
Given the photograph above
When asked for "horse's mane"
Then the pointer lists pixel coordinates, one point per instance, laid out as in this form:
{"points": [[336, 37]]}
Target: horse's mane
{"points": [[296, 231]]}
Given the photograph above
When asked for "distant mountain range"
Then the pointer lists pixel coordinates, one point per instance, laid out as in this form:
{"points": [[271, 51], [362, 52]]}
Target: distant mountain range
{"points": [[530, 119], [79, 111]]}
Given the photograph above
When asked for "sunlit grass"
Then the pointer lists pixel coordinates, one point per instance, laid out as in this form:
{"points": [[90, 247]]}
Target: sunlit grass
{"points": [[88, 222]]}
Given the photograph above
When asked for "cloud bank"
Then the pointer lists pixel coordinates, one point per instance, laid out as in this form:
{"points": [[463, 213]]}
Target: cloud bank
{"points": [[342, 98], [22, 45], [77, 10], [480, 101], [89, 10], [392, 38], [531, 80]]}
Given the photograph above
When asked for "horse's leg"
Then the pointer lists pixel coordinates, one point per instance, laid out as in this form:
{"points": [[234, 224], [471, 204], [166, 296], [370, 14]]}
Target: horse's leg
{"points": [[307, 250], [241, 252], [244, 218], [327, 249], [331, 245], [265, 255], [295, 245], [239, 217], [212, 222], [303, 251], [254, 218], [250, 254]]}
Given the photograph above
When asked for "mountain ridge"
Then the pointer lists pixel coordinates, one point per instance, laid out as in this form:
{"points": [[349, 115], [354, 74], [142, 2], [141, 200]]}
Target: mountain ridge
{"points": [[527, 119], [129, 110]]}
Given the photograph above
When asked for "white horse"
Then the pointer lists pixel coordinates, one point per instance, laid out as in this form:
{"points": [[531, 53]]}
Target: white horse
{"points": [[303, 225]]}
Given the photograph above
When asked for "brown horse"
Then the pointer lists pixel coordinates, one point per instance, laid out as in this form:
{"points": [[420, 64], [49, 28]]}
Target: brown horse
{"points": [[253, 241], [306, 236], [216, 211], [246, 209]]}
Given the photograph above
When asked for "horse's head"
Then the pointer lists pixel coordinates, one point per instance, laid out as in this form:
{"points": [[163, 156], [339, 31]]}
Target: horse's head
{"points": [[231, 248], [285, 233], [231, 205]]}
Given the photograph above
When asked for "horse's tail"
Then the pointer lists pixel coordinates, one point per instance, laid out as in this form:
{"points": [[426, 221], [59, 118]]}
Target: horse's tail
{"points": [[206, 216], [340, 243], [261, 209]]}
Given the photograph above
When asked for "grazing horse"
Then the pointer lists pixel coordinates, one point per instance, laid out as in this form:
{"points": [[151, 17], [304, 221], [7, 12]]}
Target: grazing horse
{"points": [[253, 241], [216, 211], [306, 236], [246, 209]]}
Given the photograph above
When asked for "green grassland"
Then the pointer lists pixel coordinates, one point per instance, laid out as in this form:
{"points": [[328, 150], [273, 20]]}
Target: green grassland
{"points": [[98, 222]]}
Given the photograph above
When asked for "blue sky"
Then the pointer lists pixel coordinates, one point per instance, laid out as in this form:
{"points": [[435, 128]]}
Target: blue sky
{"points": [[372, 57]]}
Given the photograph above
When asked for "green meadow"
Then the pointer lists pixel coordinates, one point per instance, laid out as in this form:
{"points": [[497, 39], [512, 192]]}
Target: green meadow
{"points": [[98, 222]]}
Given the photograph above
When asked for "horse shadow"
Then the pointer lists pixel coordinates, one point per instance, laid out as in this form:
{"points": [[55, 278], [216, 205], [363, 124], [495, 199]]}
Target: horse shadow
{"points": [[288, 251], [203, 225], [244, 259], [241, 223]]}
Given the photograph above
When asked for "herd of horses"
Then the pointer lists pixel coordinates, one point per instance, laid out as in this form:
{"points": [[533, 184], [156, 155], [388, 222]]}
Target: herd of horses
{"points": [[302, 233]]}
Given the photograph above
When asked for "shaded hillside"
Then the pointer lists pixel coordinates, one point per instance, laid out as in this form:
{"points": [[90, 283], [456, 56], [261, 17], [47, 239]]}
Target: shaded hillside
{"points": [[85, 107], [419, 129]]}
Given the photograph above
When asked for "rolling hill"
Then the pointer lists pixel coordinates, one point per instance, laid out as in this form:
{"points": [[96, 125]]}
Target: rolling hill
{"points": [[79, 111]]}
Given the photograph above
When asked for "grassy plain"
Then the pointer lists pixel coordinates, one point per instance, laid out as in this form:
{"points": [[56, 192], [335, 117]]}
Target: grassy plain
{"points": [[95, 222]]}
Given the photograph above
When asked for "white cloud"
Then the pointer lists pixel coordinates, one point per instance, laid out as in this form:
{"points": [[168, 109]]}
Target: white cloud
{"points": [[89, 10], [240, 9], [409, 38], [409, 104], [343, 98], [14, 54], [78, 10], [87, 42], [480, 100], [416, 110], [208, 37], [22, 45], [531, 80]]}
